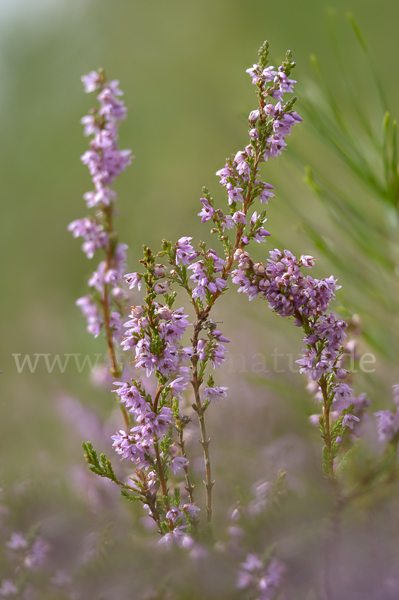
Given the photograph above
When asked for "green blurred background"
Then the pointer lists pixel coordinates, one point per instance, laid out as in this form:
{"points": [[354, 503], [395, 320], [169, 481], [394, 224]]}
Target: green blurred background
{"points": [[182, 67]]}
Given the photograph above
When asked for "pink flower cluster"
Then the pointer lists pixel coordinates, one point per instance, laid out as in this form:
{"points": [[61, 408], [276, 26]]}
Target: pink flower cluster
{"points": [[105, 162]]}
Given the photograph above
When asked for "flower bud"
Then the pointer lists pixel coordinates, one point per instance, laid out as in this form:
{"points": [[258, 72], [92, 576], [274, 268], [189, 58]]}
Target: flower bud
{"points": [[137, 311], [259, 269], [307, 261], [159, 270], [341, 374], [161, 288], [254, 116], [237, 254], [165, 312]]}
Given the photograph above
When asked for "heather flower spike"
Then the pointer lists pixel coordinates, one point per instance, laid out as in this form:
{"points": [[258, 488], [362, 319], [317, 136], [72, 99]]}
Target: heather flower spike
{"points": [[290, 293], [105, 161]]}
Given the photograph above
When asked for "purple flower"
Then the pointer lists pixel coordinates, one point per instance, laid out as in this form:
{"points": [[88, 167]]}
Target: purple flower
{"points": [[215, 393], [8, 588], [341, 374], [252, 563], [207, 211], [254, 116], [17, 542], [177, 537], [264, 582], [254, 73], [349, 420], [203, 274], [131, 396], [269, 74], [174, 514], [261, 492], [91, 81], [239, 217], [227, 222], [105, 162], [185, 253], [270, 582], [133, 279], [342, 392], [93, 234], [307, 261], [178, 463], [90, 310], [191, 510], [37, 554], [260, 234], [234, 193], [286, 85], [178, 386], [162, 287], [314, 419], [133, 446], [90, 125], [387, 424]]}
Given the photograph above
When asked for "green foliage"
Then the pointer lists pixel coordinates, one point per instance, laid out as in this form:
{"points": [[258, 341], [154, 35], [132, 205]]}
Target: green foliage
{"points": [[347, 459], [362, 199], [279, 488], [131, 498], [326, 461], [100, 466], [176, 496], [263, 54]]}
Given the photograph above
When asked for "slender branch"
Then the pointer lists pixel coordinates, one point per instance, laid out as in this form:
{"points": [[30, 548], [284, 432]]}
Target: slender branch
{"points": [[155, 514], [161, 473], [326, 413], [157, 396], [333, 530], [162, 481], [201, 318], [204, 441], [108, 332], [189, 486], [196, 383], [115, 370]]}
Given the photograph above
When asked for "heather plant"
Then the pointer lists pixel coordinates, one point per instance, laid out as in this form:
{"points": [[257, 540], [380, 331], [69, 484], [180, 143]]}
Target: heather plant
{"points": [[156, 329], [174, 350]]}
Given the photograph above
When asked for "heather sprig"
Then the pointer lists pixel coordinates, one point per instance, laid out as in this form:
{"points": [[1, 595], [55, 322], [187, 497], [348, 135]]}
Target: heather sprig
{"points": [[154, 332], [102, 307], [345, 396], [105, 161], [292, 294], [269, 124]]}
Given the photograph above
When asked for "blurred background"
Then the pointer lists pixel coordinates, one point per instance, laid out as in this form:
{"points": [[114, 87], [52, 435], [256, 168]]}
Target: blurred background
{"points": [[182, 68]]}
